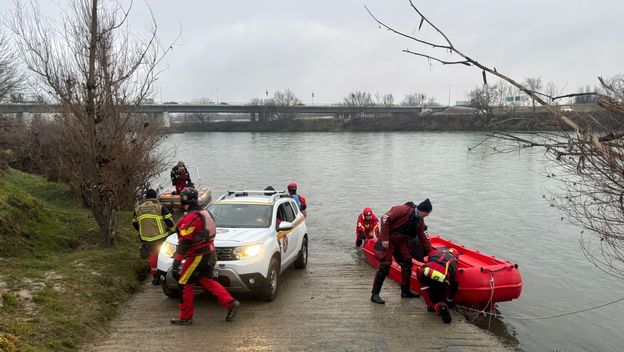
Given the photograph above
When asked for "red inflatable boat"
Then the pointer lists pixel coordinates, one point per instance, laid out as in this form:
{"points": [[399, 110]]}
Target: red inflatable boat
{"points": [[483, 279]]}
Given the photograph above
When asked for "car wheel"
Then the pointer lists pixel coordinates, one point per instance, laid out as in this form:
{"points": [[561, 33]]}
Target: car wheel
{"points": [[302, 258], [269, 290], [168, 291]]}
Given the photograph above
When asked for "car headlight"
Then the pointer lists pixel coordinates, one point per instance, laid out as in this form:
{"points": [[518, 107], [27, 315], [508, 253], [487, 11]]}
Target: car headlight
{"points": [[168, 249], [247, 251]]}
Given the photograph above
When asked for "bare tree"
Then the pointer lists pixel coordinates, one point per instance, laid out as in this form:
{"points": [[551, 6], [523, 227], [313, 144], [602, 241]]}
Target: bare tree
{"points": [[281, 101], [10, 75], [588, 149], [384, 99], [419, 99], [551, 90], [535, 85], [98, 72], [360, 101]]}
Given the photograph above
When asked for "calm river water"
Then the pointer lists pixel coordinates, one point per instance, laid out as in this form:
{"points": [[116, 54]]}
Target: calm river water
{"points": [[486, 201]]}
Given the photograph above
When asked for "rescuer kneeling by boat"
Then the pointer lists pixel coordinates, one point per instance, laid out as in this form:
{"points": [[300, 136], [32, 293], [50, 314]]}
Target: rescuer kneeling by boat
{"points": [[399, 225], [367, 227], [437, 277]]}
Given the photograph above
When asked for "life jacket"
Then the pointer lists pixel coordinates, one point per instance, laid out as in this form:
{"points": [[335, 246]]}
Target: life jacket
{"points": [[297, 199], [151, 221], [205, 237], [440, 266]]}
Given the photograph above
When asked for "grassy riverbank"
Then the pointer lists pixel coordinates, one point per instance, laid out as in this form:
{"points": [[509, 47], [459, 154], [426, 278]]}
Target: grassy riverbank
{"points": [[57, 287]]}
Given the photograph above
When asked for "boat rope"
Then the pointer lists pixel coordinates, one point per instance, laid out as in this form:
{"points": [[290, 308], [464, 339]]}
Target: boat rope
{"points": [[496, 315], [546, 316]]}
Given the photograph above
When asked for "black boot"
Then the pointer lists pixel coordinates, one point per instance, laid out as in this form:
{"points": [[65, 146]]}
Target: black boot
{"points": [[407, 293], [180, 321], [377, 283], [232, 311], [156, 280], [445, 314], [376, 299]]}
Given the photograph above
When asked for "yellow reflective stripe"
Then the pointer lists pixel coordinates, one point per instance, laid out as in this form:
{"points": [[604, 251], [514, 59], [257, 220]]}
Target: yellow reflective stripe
{"points": [[190, 269], [168, 216], [434, 274], [187, 231], [152, 239], [296, 224], [149, 216]]}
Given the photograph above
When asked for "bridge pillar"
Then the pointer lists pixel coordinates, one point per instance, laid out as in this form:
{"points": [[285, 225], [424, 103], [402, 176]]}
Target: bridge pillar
{"points": [[166, 119], [20, 117], [252, 117]]}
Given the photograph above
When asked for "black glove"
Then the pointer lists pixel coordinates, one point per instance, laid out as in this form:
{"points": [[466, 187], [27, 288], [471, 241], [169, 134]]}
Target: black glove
{"points": [[175, 270]]}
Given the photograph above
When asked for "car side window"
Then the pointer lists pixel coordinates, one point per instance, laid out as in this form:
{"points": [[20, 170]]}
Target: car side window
{"points": [[288, 212], [279, 215]]}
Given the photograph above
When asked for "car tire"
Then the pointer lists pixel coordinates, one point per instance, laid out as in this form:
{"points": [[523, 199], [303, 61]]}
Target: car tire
{"points": [[302, 257], [168, 291], [269, 291]]}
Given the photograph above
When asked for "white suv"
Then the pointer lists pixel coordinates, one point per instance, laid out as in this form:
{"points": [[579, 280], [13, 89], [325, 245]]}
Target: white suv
{"points": [[259, 235]]}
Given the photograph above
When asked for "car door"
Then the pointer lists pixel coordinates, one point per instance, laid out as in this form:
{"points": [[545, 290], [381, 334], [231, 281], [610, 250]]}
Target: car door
{"points": [[288, 238]]}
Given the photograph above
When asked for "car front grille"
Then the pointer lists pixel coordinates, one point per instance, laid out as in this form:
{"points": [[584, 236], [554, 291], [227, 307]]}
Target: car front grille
{"points": [[226, 253]]}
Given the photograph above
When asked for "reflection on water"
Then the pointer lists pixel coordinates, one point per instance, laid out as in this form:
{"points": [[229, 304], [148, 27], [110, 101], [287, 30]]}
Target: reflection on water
{"points": [[490, 202]]}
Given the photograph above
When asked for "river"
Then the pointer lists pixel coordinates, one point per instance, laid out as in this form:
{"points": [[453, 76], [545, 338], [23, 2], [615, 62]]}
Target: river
{"points": [[487, 201]]}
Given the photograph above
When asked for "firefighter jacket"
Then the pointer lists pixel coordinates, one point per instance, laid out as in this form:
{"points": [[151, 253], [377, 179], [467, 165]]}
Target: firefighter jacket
{"points": [[152, 220], [369, 228]]}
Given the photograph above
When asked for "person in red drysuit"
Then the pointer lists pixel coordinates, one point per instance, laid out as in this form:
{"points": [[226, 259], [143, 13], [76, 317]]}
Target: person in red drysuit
{"points": [[196, 233], [367, 227], [399, 225]]}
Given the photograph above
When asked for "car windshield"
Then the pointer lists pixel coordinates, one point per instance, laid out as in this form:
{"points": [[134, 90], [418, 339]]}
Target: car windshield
{"points": [[241, 215]]}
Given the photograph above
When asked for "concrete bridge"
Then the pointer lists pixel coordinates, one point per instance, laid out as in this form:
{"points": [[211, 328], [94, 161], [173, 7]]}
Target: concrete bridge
{"points": [[256, 112]]}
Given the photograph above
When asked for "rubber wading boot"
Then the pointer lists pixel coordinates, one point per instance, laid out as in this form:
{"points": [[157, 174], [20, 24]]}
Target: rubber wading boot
{"points": [[180, 321], [445, 314], [376, 299], [156, 280], [232, 311]]}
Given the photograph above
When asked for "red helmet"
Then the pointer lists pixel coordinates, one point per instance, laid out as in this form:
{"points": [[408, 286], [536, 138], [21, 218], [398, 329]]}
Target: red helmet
{"points": [[292, 186], [367, 211]]}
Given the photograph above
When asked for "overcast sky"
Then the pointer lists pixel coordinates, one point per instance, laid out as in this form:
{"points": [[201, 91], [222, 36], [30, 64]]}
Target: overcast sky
{"points": [[241, 49]]}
